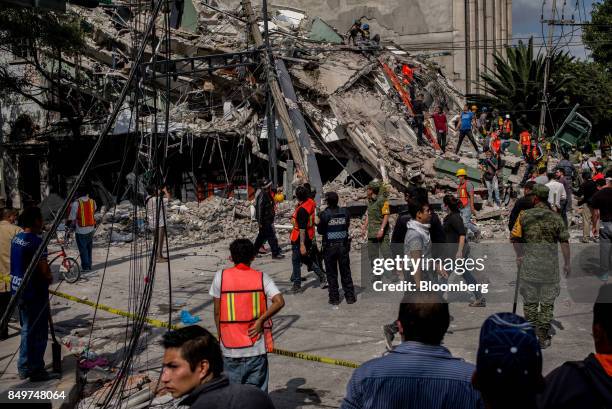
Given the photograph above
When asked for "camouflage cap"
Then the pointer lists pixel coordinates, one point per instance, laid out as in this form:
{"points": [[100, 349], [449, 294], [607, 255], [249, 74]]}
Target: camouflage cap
{"points": [[374, 185], [540, 191]]}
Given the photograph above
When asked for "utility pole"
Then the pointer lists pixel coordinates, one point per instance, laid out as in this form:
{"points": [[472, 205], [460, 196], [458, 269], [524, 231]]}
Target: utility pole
{"points": [[549, 51], [544, 101], [279, 101], [271, 124]]}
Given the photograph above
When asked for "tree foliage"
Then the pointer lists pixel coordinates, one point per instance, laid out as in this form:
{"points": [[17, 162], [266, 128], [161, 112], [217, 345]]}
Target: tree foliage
{"points": [[515, 86], [41, 38], [597, 35]]}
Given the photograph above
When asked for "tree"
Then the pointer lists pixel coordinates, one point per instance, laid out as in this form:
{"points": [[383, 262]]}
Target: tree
{"points": [[592, 89], [42, 39], [597, 36], [515, 84]]}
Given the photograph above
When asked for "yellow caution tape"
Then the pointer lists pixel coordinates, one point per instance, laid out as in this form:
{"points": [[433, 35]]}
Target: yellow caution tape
{"points": [[163, 324]]}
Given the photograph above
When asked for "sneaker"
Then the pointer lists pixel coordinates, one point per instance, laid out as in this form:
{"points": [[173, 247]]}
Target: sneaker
{"points": [[324, 284], [480, 302], [389, 333], [278, 256], [604, 277], [295, 289], [351, 300], [44, 376]]}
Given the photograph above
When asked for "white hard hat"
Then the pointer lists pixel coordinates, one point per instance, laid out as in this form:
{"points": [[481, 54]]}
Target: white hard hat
{"points": [[507, 116]]}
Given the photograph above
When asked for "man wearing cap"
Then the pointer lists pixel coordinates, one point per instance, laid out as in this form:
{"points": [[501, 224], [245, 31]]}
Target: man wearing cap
{"points": [[465, 194], [509, 363], [535, 236], [377, 222], [333, 227], [264, 213]]}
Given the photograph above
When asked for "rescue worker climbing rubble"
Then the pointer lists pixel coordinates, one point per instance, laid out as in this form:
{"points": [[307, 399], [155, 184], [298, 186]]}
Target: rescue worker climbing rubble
{"points": [[465, 194]]}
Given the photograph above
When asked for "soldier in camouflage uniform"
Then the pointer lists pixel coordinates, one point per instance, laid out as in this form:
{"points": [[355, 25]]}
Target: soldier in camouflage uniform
{"points": [[536, 234], [377, 222]]}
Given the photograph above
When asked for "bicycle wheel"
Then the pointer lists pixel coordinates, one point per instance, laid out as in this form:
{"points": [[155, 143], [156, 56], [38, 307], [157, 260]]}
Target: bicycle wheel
{"points": [[70, 269]]}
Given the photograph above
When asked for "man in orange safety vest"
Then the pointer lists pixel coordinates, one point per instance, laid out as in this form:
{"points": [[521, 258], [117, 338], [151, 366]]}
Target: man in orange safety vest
{"points": [[245, 300], [82, 215], [525, 140]]}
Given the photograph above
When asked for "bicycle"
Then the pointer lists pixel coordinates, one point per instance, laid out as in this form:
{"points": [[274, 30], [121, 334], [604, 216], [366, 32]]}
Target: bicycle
{"points": [[71, 270]]}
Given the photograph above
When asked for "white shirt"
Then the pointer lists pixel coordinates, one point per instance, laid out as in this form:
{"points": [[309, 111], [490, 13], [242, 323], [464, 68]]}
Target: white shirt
{"points": [[556, 193], [73, 215], [152, 212], [259, 348]]}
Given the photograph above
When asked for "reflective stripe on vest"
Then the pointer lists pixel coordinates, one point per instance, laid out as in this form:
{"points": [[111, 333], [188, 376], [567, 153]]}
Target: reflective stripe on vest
{"points": [[85, 213], [525, 138], [463, 193], [243, 301], [496, 145], [310, 206]]}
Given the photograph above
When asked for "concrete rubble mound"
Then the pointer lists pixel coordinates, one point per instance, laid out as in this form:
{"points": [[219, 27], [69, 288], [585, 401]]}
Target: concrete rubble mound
{"points": [[349, 105]]}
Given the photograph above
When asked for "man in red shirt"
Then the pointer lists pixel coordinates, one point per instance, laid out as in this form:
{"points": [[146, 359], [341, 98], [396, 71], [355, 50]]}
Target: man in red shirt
{"points": [[441, 125]]}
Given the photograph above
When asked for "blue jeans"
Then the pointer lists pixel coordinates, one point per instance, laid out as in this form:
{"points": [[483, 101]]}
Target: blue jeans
{"points": [[85, 244], [33, 317], [252, 370], [466, 215], [493, 190]]}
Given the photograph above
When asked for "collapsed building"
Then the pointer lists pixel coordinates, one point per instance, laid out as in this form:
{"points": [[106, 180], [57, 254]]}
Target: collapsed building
{"points": [[303, 106]]}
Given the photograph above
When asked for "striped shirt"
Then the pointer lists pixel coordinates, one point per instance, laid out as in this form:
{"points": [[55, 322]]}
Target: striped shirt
{"points": [[413, 375]]}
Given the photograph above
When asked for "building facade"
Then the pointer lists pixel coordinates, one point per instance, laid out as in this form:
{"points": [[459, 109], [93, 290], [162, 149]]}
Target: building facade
{"points": [[461, 34]]}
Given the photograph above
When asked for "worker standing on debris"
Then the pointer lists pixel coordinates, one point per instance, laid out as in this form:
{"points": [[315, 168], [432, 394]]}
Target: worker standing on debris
{"points": [[465, 194], [418, 108], [467, 122], [532, 158], [525, 140], [377, 222], [34, 302], [507, 128], [495, 143], [82, 214], [302, 236], [536, 234], [193, 371], [408, 79], [354, 31], [441, 125], [333, 227], [490, 168], [245, 302], [155, 211], [8, 230], [264, 213]]}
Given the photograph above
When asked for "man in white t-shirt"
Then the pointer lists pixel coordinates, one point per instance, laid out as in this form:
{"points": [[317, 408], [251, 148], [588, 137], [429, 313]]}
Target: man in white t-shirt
{"points": [[556, 193], [152, 210], [245, 301], [81, 218]]}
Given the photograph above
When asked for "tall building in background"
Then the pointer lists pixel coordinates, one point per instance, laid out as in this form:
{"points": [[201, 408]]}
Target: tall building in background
{"points": [[463, 34]]}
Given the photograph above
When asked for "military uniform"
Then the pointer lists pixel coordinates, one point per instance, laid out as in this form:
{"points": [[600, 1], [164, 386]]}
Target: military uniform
{"points": [[540, 229], [378, 208]]}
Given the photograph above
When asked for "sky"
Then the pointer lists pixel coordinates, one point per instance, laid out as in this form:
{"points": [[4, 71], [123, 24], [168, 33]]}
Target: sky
{"points": [[526, 22]]}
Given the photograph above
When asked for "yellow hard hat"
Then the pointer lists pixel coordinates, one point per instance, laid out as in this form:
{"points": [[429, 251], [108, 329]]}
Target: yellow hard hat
{"points": [[461, 172], [474, 107], [279, 197]]}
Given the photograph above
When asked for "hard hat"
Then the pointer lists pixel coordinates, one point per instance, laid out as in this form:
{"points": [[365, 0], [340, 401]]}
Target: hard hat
{"points": [[279, 197], [461, 172], [474, 107], [484, 109], [507, 116], [366, 26]]}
